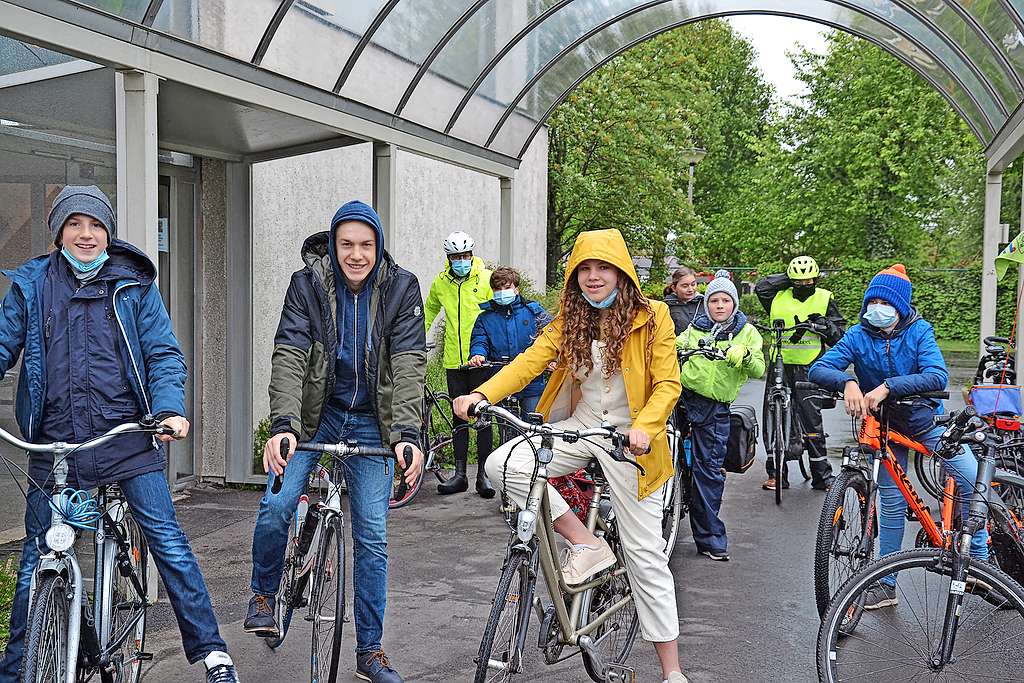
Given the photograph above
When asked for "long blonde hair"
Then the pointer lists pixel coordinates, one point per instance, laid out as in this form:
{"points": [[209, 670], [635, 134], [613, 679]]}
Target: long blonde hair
{"points": [[581, 325]]}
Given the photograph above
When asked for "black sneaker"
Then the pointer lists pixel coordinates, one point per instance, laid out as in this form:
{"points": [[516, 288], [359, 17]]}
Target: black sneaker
{"points": [[716, 555], [260, 617], [375, 667], [880, 595]]}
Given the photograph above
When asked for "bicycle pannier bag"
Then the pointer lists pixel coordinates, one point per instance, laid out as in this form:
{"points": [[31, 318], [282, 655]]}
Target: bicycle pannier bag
{"points": [[739, 454], [996, 399]]}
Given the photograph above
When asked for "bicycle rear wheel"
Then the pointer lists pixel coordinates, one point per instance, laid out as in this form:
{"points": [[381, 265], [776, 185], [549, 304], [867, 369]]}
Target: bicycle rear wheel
{"points": [[500, 656], [289, 592], [671, 510], [614, 638], [401, 492], [1006, 528], [128, 607], [901, 642], [439, 433], [327, 602], [46, 644], [847, 519]]}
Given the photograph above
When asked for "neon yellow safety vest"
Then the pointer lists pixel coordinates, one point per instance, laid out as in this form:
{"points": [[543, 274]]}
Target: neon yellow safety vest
{"points": [[789, 308]]}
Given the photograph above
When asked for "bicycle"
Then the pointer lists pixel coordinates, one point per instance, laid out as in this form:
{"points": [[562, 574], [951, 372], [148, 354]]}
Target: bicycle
{"points": [[68, 637], [848, 525], [601, 618], [954, 617], [315, 558], [777, 405]]}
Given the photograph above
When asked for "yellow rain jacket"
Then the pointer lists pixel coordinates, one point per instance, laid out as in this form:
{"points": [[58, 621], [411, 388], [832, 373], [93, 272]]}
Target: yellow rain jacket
{"points": [[650, 370]]}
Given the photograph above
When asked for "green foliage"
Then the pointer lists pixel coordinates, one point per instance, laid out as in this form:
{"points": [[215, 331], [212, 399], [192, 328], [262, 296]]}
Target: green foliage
{"points": [[260, 436], [8, 580]]}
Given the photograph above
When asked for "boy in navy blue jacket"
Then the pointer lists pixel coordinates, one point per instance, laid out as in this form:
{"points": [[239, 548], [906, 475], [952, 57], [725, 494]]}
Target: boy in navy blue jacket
{"points": [[894, 354], [506, 327]]}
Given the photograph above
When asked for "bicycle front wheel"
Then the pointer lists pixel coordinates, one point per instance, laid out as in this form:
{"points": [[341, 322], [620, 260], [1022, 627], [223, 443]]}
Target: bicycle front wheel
{"points": [[930, 474], [402, 493], [779, 447], [46, 645], [845, 540], [500, 656], [905, 641], [671, 510], [439, 434], [614, 638], [327, 602], [128, 607]]}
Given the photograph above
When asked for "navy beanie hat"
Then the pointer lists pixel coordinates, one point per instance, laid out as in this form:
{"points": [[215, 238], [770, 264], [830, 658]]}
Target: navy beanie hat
{"points": [[892, 285], [84, 199]]}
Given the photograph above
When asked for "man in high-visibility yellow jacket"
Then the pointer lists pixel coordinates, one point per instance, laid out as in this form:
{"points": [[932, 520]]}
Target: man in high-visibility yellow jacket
{"points": [[794, 297]]}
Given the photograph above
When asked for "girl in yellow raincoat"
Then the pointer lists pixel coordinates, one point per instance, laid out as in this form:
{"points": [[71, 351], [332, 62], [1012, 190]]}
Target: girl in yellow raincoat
{"points": [[615, 358]]}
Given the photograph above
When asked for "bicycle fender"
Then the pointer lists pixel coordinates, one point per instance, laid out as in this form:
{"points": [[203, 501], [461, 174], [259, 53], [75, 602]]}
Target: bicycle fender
{"points": [[1007, 477]]}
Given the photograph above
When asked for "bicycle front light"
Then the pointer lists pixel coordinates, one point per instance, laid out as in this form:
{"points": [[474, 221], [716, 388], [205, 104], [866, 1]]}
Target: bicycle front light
{"points": [[60, 537], [526, 524]]}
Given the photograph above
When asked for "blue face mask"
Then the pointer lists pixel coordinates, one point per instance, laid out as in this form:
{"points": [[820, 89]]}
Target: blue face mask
{"points": [[462, 266], [881, 315], [504, 297], [605, 302], [85, 267]]}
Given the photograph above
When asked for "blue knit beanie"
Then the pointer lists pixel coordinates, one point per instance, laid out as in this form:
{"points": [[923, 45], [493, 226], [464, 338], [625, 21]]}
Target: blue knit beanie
{"points": [[84, 199], [892, 285]]}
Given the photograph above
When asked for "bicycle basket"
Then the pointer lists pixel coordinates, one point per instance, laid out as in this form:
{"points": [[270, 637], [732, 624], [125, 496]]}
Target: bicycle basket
{"points": [[996, 399]]}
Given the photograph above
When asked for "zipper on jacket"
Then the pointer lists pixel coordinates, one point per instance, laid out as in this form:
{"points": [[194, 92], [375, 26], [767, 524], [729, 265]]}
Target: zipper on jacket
{"points": [[355, 352], [458, 329], [128, 344]]}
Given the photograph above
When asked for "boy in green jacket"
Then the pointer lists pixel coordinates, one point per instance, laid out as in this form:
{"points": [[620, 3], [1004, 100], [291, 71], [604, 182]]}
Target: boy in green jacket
{"points": [[709, 386]]}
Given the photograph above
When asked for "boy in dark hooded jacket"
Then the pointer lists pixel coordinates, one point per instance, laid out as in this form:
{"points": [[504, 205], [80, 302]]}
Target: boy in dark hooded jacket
{"points": [[99, 352], [894, 354], [349, 363]]}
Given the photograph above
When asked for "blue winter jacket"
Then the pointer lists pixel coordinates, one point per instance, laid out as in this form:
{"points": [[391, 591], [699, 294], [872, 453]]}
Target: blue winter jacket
{"points": [[504, 332], [908, 359], [146, 355]]}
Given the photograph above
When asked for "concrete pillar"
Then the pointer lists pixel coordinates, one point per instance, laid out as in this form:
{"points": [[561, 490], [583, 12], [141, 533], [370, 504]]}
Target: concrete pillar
{"points": [[507, 224], [137, 172], [993, 230], [385, 184]]}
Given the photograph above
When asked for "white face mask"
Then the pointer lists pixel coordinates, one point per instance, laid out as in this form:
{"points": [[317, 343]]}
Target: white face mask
{"points": [[505, 296], [881, 315]]}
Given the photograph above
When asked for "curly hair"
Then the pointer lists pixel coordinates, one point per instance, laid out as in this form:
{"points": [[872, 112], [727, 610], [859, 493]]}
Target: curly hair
{"points": [[582, 325]]}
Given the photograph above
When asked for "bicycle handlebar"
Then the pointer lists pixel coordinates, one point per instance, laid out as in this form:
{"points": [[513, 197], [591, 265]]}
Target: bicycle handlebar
{"points": [[938, 395], [342, 450], [620, 440], [147, 425], [485, 364]]}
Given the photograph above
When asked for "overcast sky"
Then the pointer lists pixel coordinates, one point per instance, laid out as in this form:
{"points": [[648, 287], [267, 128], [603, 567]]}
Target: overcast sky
{"points": [[772, 37]]}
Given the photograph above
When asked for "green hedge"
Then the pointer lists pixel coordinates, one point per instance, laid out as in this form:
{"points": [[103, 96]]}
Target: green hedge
{"points": [[8, 579]]}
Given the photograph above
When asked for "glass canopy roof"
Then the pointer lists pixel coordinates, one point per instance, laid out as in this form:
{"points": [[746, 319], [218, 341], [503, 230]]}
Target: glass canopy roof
{"points": [[490, 72]]}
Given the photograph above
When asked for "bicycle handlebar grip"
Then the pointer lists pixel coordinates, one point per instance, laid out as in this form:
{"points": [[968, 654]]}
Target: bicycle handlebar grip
{"points": [[285, 449], [807, 386], [472, 408], [407, 454]]}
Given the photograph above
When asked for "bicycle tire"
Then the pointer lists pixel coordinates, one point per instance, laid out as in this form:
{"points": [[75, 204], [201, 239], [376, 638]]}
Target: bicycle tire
{"points": [[838, 516], [439, 434], [625, 621], [327, 602], [1004, 602], [45, 658], [671, 511], [930, 474], [121, 587], [286, 600], [508, 603], [778, 450], [402, 493], [1006, 529]]}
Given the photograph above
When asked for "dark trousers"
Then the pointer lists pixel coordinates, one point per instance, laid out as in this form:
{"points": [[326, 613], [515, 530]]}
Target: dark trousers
{"points": [[460, 383], [709, 437], [805, 426]]}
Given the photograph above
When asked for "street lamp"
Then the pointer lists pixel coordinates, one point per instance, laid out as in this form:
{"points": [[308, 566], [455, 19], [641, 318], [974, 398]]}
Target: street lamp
{"points": [[692, 156]]}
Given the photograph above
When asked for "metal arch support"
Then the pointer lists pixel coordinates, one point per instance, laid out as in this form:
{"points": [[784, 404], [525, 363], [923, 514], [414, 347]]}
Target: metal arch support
{"points": [[271, 31], [445, 39], [978, 29], [364, 40], [927, 25], [151, 11], [498, 56], [653, 34], [1012, 12]]}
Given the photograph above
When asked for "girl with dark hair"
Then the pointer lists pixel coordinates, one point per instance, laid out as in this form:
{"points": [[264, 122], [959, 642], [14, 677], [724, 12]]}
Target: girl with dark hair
{"points": [[684, 302]]}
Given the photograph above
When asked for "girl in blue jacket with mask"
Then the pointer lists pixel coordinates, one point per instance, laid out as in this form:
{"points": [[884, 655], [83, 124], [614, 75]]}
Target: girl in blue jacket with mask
{"points": [[894, 354]]}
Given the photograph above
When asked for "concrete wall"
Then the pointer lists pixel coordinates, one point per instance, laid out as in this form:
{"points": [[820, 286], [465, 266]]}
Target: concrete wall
{"points": [[293, 198]]}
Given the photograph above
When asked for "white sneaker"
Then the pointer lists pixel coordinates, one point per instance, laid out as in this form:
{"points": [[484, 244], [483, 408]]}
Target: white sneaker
{"points": [[580, 562], [676, 677]]}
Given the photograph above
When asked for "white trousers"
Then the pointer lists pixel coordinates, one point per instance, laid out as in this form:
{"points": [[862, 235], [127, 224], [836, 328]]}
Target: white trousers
{"points": [[639, 521]]}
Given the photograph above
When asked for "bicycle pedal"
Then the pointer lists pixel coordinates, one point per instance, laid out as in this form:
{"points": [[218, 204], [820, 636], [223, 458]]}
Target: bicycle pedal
{"points": [[620, 673], [144, 656]]}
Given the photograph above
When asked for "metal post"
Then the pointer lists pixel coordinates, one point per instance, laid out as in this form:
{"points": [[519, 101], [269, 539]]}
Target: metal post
{"points": [[993, 199], [689, 187], [137, 171], [384, 185], [1020, 281], [507, 223]]}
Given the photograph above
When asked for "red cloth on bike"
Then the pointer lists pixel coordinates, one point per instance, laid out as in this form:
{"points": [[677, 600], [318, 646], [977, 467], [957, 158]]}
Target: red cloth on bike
{"points": [[577, 489]]}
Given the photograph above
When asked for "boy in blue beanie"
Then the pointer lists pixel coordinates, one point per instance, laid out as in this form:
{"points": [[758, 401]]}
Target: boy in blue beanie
{"points": [[894, 354]]}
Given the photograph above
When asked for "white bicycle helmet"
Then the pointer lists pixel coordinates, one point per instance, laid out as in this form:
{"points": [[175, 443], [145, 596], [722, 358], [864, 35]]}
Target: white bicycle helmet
{"points": [[457, 243]]}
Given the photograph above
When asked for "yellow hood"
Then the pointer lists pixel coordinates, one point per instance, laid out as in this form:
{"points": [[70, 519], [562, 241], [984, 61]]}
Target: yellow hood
{"points": [[606, 245]]}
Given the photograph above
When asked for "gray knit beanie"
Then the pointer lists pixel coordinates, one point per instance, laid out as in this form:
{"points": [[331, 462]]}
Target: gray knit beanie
{"points": [[723, 284], [85, 199]]}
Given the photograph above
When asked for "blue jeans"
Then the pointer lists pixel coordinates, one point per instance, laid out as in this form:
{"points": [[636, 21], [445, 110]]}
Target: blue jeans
{"points": [[150, 502], [528, 404], [369, 488], [892, 516]]}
